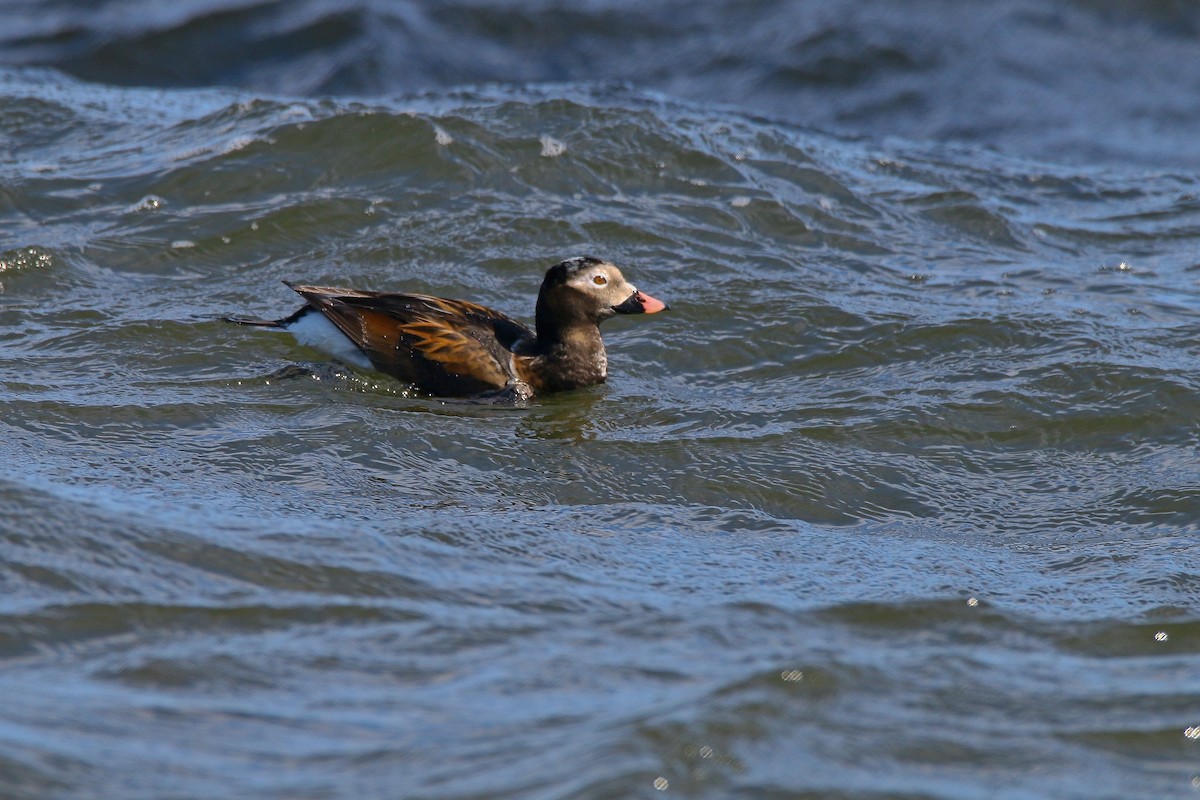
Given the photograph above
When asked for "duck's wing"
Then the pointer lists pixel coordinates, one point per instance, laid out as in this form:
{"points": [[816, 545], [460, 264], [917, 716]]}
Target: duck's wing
{"points": [[440, 346]]}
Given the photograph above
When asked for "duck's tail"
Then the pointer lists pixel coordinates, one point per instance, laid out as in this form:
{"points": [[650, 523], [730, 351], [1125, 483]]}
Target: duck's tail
{"points": [[284, 323], [258, 323]]}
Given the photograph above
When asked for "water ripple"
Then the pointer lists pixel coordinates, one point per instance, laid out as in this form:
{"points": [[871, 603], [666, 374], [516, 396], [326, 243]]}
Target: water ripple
{"points": [[903, 485]]}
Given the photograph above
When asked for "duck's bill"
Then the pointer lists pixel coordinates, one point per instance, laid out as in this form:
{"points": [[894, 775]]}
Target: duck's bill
{"points": [[640, 303]]}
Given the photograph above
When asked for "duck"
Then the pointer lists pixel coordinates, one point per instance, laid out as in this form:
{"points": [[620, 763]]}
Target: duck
{"points": [[460, 349]]}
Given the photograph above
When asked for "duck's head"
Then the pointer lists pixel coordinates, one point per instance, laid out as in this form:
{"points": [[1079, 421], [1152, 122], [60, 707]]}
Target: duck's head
{"points": [[588, 290]]}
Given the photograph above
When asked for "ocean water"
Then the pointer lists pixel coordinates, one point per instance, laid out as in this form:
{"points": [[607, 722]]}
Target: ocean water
{"points": [[900, 500]]}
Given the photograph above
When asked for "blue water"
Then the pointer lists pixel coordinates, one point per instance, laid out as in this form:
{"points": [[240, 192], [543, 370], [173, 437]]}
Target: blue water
{"points": [[900, 499]]}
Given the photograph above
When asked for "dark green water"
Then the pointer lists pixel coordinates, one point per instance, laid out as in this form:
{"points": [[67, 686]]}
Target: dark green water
{"points": [[901, 499]]}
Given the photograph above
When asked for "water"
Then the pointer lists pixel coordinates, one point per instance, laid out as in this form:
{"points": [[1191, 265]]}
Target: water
{"points": [[900, 500]]}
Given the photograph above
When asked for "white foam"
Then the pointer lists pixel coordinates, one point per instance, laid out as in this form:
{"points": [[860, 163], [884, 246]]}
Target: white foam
{"points": [[551, 147]]}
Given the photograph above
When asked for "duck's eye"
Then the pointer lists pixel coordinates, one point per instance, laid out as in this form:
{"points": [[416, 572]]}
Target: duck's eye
{"points": [[599, 280]]}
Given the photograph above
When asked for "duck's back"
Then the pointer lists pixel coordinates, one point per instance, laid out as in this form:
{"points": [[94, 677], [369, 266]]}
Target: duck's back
{"points": [[443, 347]]}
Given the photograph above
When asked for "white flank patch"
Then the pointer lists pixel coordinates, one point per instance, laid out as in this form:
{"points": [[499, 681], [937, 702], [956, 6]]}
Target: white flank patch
{"points": [[314, 330]]}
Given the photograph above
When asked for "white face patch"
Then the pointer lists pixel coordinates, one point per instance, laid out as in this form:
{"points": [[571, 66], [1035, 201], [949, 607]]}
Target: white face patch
{"points": [[599, 278]]}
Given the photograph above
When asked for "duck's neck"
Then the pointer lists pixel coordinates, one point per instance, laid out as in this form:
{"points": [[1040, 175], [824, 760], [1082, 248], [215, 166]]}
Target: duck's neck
{"points": [[573, 356]]}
